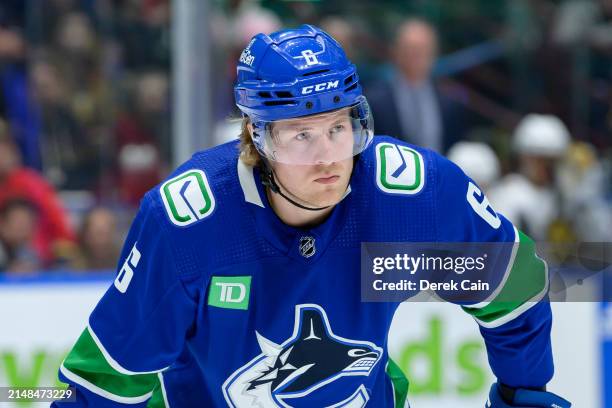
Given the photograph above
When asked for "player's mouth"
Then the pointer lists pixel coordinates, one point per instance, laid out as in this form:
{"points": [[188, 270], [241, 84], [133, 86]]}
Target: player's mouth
{"points": [[327, 180]]}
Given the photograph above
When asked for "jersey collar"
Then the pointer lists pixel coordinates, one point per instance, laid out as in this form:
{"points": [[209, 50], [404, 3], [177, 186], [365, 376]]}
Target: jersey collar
{"points": [[285, 238]]}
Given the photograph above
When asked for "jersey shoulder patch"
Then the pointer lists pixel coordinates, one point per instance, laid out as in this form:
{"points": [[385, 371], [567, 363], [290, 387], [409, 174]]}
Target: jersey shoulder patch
{"points": [[400, 169], [187, 197]]}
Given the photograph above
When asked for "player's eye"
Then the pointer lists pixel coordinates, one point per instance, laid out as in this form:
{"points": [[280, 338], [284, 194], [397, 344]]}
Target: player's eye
{"points": [[337, 129], [302, 136]]}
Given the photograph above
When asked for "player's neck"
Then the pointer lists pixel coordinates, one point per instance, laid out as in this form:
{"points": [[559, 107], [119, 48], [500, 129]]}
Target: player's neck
{"points": [[295, 216]]}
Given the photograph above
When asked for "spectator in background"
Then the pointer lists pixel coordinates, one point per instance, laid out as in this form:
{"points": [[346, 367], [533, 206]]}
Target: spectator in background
{"points": [[411, 105], [246, 19], [249, 19], [98, 240], [69, 159], [143, 138], [80, 58], [15, 100], [144, 31], [342, 31], [18, 219], [53, 232]]}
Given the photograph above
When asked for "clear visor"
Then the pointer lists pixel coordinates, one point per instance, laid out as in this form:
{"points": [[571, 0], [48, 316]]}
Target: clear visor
{"points": [[318, 139]]}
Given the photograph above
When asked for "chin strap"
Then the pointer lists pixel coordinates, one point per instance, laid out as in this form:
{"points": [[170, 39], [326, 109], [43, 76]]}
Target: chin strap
{"points": [[267, 179]]}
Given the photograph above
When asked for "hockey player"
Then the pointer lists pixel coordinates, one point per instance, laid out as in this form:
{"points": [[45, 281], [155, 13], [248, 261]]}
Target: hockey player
{"points": [[541, 143], [239, 280]]}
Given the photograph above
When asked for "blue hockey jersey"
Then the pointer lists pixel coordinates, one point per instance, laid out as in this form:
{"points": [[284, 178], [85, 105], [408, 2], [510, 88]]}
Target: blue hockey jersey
{"points": [[218, 303]]}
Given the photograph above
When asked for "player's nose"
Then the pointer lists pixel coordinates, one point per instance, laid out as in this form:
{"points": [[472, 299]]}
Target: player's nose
{"points": [[325, 152]]}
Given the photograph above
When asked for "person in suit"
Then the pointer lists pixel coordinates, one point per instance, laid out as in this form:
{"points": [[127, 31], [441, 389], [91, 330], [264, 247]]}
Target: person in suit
{"points": [[411, 104]]}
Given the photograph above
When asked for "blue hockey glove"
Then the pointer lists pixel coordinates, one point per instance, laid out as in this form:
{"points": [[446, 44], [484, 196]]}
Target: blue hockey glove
{"points": [[523, 398]]}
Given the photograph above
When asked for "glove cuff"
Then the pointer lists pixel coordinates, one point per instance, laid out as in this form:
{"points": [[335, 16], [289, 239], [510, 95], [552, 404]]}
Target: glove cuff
{"points": [[507, 393]]}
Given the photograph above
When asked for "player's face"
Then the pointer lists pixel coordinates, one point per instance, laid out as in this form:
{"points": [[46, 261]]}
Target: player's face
{"points": [[327, 141], [540, 170]]}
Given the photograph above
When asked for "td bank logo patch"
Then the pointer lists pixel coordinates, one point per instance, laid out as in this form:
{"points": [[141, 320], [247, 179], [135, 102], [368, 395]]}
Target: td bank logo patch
{"points": [[399, 169], [230, 292], [187, 198]]}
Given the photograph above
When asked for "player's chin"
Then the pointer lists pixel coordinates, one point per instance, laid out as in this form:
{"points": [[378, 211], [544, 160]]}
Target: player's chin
{"points": [[329, 195]]}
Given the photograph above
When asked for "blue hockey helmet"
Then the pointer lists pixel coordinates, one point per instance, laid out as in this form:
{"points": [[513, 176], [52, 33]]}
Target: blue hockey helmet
{"points": [[299, 73]]}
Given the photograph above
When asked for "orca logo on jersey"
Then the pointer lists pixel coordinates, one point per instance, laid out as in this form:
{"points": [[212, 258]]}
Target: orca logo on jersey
{"points": [[399, 169], [187, 198], [314, 367]]}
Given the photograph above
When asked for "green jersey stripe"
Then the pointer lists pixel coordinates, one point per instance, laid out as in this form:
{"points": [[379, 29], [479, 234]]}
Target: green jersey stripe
{"points": [[86, 363], [399, 382], [112, 362], [102, 392], [507, 272], [159, 399], [516, 312], [526, 284]]}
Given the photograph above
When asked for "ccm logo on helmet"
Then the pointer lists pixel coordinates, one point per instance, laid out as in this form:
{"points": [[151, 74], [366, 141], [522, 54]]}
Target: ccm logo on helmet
{"points": [[323, 86]]}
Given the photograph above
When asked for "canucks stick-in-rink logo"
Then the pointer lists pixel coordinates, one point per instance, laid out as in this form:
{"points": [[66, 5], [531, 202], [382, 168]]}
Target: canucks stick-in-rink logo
{"points": [[399, 169], [313, 367], [187, 198]]}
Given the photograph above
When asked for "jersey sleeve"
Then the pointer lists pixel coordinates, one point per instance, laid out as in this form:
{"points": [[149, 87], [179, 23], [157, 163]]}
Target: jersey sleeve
{"points": [[139, 326], [515, 321]]}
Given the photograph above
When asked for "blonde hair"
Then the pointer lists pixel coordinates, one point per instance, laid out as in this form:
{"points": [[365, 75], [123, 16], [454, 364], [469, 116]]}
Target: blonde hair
{"points": [[248, 152]]}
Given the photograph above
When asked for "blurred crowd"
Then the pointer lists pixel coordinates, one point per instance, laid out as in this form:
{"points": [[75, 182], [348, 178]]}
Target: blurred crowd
{"points": [[517, 92], [84, 126]]}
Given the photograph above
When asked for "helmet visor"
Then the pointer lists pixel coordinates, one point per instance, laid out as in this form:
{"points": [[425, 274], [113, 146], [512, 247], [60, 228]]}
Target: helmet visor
{"points": [[318, 139]]}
